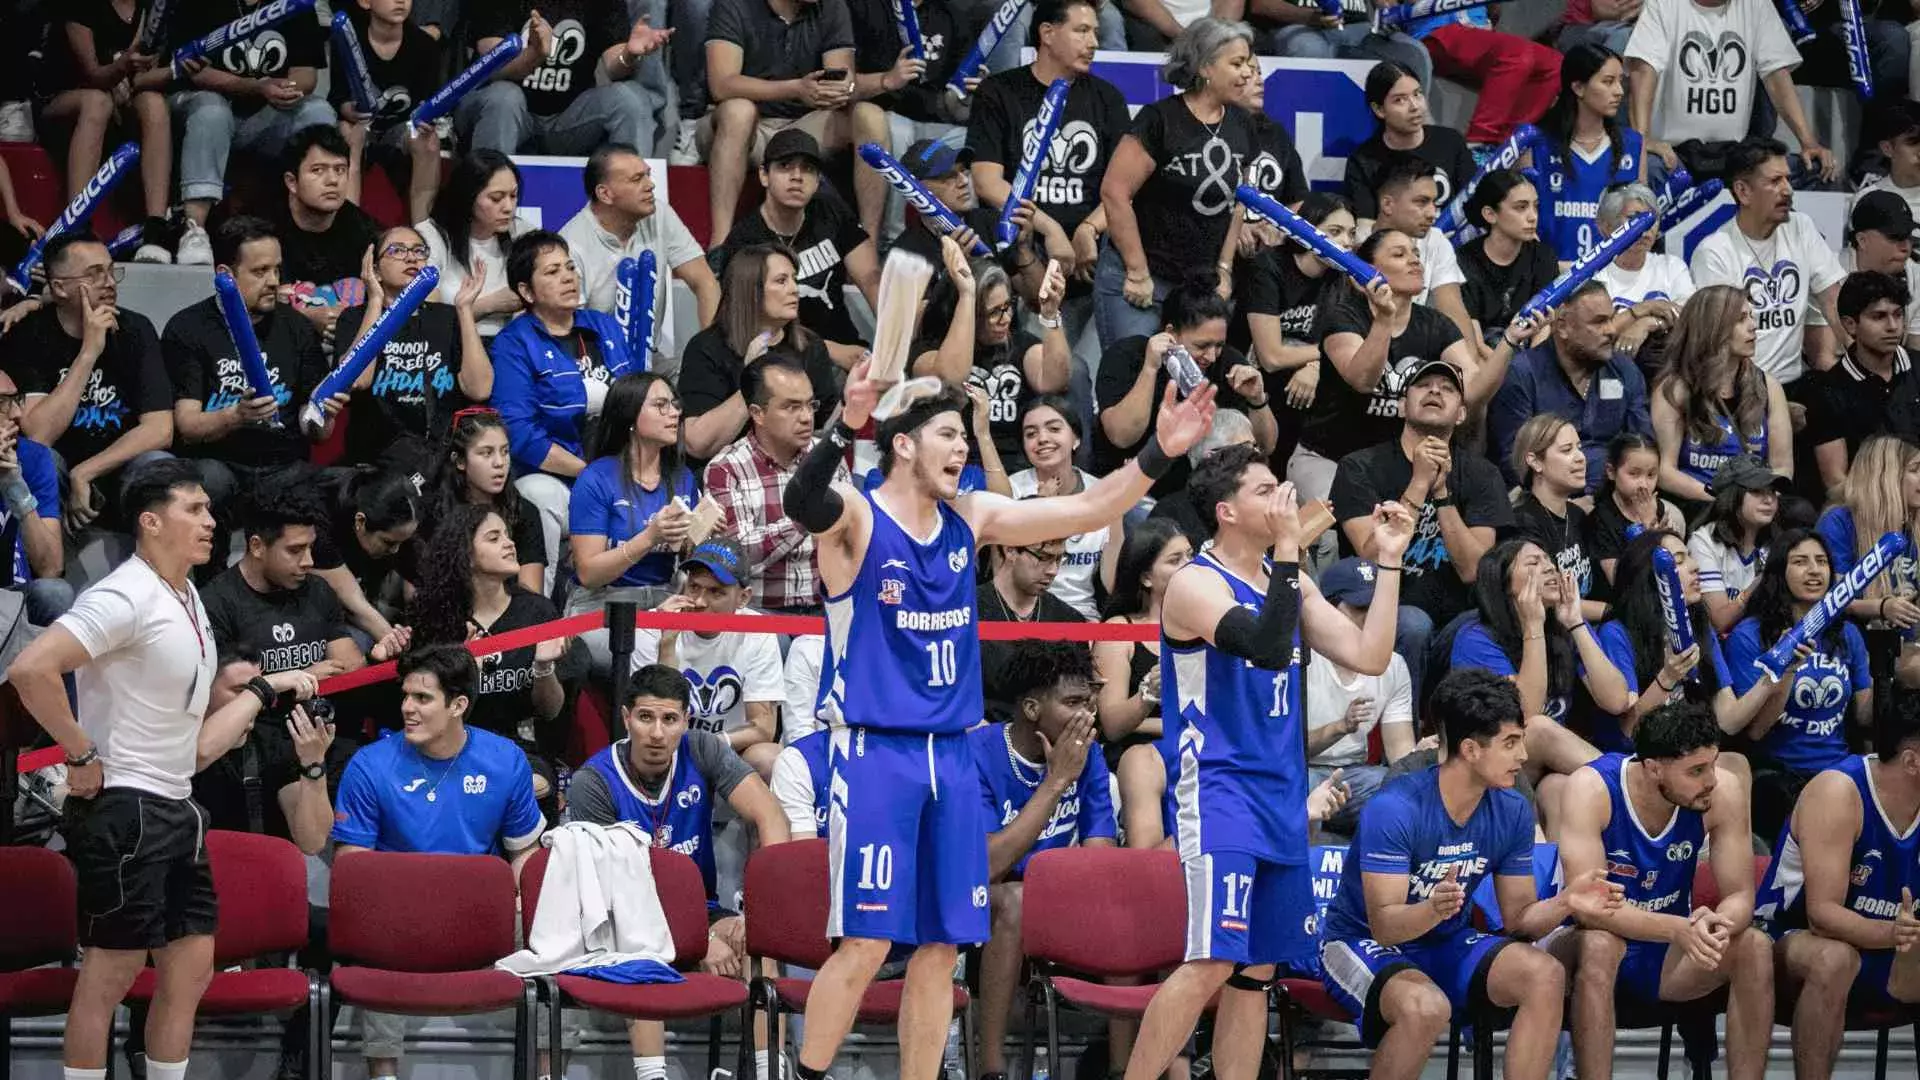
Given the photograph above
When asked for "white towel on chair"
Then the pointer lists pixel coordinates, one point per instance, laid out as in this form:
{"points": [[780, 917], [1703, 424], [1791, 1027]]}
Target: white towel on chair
{"points": [[599, 913]]}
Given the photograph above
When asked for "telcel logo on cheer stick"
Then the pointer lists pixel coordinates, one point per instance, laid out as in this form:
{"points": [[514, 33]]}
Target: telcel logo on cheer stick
{"points": [[1046, 124], [1859, 63], [1673, 603], [240, 29], [1362, 273], [239, 322], [1591, 263], [908, 22], [983, 47], [84, 203], [1775, 661], [635, 282], [445, 98], [1401, 14], [1454, 218], [368, 347], [1689, 202], [944, 220], [359, 79]]}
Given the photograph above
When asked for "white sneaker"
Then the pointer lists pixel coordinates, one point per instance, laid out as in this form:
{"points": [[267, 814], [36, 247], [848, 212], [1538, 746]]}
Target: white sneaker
{"points": [[154, 253], [195, 249], [16, 121], [686, 148]]}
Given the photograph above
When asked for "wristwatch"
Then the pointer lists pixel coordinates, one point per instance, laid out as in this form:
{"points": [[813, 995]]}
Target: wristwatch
{"points": [[315, 771], [92, 755]]}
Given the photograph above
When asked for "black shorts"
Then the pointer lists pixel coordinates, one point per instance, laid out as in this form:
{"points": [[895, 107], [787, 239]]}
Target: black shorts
{"points": [[142, 865]]}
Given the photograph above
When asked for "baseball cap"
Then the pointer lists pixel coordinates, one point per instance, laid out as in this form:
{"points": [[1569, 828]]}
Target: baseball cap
{"points": [[1892, 119], [1750, 473], [931, 159], [1349, 581], [790, 143], [722, 556], [1431, 367], [1884, 212]]}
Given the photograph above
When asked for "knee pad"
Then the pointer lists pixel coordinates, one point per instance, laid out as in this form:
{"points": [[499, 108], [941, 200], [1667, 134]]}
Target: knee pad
{"points": [[1240, 980]]}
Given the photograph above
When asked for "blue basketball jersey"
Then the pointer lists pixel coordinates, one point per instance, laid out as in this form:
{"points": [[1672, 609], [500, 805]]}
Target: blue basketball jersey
{"points": [[1239, 776], [1884, 861], [814, 748], [1701, 460], [1655, 870], [1574, 182], [681, 818], [903, 653], [1008, 782]]}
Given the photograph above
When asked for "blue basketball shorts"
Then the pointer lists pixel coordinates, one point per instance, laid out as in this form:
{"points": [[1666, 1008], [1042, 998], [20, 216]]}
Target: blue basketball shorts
{"points": [[907, 839], [1357, 970], [1247, 910]]}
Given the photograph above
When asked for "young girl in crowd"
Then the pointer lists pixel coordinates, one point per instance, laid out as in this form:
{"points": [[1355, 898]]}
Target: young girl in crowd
{"points": [[1507, 263], [1880, 495], [374, 515], [1713, 403], [474, 219], [473, 472], [1629, 496], [1553, 472], [1396, 96], [1049, 436], [1800, 727], [1129, 711], [1587, 149], [1729, 544]]}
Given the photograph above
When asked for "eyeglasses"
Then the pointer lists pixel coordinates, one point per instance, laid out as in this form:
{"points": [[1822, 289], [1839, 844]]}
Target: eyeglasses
{"points": [[1044, 556], [12, 402], [664, 405], [406, 251], [1000, 311], [96, 275]]}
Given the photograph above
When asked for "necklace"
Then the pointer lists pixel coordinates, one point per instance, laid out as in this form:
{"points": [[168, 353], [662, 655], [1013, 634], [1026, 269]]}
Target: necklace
{"points": [[1017, 763], [432, 792]]}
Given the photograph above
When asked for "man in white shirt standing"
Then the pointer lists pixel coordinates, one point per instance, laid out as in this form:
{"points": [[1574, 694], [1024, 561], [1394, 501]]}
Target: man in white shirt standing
{"points": [[1778, 258], [141, 648], [1701, 59], [622, 218], [1343, 707]]}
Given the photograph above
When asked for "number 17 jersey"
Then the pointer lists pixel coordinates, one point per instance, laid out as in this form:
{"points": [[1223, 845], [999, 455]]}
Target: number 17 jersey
{"points": [[903, 651], [1233, 733]]}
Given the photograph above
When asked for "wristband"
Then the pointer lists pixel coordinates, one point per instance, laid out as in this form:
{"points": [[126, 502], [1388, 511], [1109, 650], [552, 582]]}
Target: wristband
{"points": [[1581, 625], [263, 690], [1382, 568], [541, 669], [1152, 460], [841, 435], [1664, 688], [1050, 323], [1256, 406], [92, 755], [1440, 502]]}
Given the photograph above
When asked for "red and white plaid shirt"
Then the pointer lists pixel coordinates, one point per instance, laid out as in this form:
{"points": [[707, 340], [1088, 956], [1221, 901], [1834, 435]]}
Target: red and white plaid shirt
{"points": [[748, 484]]}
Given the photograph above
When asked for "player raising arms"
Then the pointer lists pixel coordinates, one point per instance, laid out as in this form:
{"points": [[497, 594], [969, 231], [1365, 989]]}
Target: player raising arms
{"points": [[1231, 628], [907, 840]]}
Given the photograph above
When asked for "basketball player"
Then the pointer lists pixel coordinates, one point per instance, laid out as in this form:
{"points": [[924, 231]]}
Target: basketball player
{"points": [[1839, 895], [1644, 820], [908, 846]]}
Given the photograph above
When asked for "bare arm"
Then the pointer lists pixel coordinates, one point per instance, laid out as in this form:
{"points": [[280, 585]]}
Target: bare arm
{"points": [[153, 431], [1669, 431], [308, 810], [37, 676], [1729, 826], [711, 431], [759, 729], [476, 364], [725, 81], [1127, 419], [1826, 822], [755, 803], [1779, 429], [1586, 812], [1644, 83], [347, 589], [48, 416], [1604, 681], [1390, 917], [1126, 172], [1121, 713], [863, 269], [698, 276]]}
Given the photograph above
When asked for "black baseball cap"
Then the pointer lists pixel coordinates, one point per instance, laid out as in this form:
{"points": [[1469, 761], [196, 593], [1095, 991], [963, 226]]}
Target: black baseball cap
{"points": [[790, 143], [931, 159], [1749, 473], [1435, 367], [1884, 212]]}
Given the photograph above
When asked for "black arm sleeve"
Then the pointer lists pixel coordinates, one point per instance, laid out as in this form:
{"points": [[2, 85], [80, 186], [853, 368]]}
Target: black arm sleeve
{"points": [[1268, 640], [810, 498]]}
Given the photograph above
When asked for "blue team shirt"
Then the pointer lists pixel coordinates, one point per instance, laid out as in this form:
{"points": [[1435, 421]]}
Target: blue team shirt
{"points": [[1474, 647], [394, 798], [1605, 733], [1836, 526], [1571, 186], [1007, 784], [1812, 735], [604, 506], [681, 818], [1885, 859], [1404, 829], [42, 477], [1655, 870], [1239, 776], [1702, 460], [903, 650]]}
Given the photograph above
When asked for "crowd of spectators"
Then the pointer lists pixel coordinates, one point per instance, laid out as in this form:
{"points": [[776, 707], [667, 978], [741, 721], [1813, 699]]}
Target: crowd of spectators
{"points": [[1751, 409]]}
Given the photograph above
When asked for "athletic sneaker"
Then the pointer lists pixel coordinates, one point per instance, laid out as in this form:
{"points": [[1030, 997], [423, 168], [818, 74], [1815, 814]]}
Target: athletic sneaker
{"points": [[195, 249], [16, 122], [686, 148]]}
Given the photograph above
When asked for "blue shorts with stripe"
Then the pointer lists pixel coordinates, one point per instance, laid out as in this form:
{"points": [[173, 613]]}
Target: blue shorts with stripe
{"points": [[1640, 969], [907, 839], [1249, 911], [1358, 969]]}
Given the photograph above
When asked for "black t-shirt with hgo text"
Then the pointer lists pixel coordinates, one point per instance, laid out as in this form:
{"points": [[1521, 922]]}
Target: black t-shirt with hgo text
{"points": [[1345, 419], [127, 380], [206, 368], [291, 627], [1442, 147], [582, 31], [1001, 125], [272, 53]]}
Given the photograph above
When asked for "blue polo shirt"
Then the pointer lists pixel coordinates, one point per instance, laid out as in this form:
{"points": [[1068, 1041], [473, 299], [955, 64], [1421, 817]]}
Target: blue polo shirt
{"points": [[43, 479], [480, 802], [1616, 401]]}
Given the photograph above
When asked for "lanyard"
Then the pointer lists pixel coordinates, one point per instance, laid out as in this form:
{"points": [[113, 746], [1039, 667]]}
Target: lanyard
{"points": [[185, 600]]}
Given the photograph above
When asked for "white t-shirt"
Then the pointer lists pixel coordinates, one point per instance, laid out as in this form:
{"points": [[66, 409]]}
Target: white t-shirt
{"points": [[1781, 275], [142, 698], [597, 254], [1187, 12], [1661, 277], [1722, 567], [1329, 693], [453, 275], [793, 787], [804, 658], [1074, 583], [727, 671], [1441, 264], [1710, 61]]}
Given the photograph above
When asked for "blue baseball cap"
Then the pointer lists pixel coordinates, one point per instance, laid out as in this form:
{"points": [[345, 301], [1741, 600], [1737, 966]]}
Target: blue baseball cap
{"points": [[931, 159], [1349, 581], [722, 557]]}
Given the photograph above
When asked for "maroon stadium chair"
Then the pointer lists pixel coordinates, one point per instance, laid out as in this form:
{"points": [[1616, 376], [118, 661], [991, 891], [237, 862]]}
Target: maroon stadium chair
{"points": [[683, 896], [418, 935], [262, 885], [786, 904], [41, 927], [1308, 1000]]}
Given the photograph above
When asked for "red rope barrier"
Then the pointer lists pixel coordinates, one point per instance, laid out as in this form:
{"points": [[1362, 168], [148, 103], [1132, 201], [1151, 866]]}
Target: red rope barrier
{"points": [[697, 622]]}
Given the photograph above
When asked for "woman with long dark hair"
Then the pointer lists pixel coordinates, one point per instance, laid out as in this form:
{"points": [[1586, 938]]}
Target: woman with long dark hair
{"points": [[1587, 148], [1508, 262], [1729, 543], [474, 219], [1274, 315], [473, 471], [1713, 403], [1629, 496], [471, 589], [1129, 711], [630, 513], [983, 346], [759, 313], [373, 514], [1050, 436], [1552, 467], [1397, 96], [1801, 726]]}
